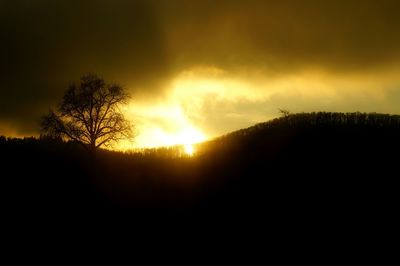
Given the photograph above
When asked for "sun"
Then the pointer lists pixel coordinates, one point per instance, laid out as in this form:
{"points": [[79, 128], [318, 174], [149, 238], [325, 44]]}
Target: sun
{"points": [[188, 138], [165, 124], [188, 149], [185, 136]]}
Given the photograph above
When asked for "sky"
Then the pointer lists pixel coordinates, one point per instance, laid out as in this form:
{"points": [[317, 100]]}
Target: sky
{"points": [[199, 69]]}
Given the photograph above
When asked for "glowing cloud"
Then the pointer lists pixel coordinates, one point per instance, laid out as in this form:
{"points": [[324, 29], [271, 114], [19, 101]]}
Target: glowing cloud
{"points": [[205, 102]]}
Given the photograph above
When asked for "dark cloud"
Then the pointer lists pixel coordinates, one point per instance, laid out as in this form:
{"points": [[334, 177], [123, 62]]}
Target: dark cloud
{"points": [[47, 44], [287, 34]]}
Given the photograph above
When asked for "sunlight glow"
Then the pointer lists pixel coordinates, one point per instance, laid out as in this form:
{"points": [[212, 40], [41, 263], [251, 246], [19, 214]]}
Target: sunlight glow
{"points": [[189, 149], [198, 102], [205, 102], [159, 137], [180, 117], [161, 124]]}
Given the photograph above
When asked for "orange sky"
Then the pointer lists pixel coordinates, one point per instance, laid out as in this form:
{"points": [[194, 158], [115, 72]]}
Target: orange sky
{"points": [[199, 69]]}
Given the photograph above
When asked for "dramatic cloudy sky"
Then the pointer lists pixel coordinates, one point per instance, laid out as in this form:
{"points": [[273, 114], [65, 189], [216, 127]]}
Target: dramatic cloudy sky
{"points": [[198, 69]]}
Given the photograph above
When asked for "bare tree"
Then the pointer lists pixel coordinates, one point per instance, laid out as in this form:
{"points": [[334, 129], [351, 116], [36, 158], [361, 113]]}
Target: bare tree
{"points": [[90, 114], [284, 112]]}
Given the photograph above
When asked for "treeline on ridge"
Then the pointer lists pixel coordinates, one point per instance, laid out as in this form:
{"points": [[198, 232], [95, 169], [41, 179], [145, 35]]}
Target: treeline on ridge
{"points": [[310, 157]]}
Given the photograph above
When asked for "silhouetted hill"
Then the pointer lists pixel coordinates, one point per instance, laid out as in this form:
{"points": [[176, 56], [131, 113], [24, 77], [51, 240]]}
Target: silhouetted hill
{"points": [[321, 165], [308, 127], [308, 162]]}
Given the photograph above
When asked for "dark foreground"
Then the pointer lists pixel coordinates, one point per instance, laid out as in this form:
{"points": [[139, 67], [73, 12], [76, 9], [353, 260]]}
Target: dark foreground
{"points": [[306, 169]]}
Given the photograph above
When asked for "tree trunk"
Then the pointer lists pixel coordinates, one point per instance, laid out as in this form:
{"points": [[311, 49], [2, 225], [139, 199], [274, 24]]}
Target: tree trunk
{"points": [[92, 144], [92, 149]]}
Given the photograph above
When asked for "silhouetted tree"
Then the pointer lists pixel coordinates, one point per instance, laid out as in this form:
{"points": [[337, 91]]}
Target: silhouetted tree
{"points": [[284, 112], [90, 114]]}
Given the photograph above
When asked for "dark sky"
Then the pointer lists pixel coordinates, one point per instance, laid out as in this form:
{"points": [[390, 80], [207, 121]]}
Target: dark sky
{"points": [[346, 52]]}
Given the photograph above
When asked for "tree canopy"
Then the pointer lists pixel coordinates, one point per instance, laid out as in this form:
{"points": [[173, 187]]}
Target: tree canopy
{"points": [[90, 114]]}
